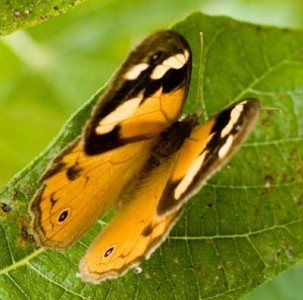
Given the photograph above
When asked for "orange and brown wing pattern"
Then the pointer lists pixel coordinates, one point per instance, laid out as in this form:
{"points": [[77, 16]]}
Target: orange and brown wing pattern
{"points": [[136, 230], [137, 154], [84, 181], [80, 188], [206, 150], [185, 156], [145, 96]]}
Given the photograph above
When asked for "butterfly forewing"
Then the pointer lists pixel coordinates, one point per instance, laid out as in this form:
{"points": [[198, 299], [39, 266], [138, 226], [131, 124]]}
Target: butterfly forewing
{"points": [[206, 150], [144, 97]]}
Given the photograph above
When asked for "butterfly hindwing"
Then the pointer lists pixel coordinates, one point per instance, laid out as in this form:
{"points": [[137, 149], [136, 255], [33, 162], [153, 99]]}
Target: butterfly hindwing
{"points": [[136, 230], [80, 188]]}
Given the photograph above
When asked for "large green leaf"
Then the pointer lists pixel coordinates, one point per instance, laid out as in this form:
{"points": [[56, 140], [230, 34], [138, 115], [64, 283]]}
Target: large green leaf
{"points": [[244, 227], [18, 14]]}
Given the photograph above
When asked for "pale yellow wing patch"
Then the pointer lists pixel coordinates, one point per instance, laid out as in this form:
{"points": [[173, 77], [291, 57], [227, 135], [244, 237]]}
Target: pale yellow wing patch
{"points": [[174, 62], [191, 149], [135, 71], [146, 119]]}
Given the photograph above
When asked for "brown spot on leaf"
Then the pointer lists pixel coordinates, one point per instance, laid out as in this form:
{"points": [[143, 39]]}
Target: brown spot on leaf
{"points": [[24, 232], [13, 194], [24, 236], [25, 189], [198, 267], [6, 208], [20, 13]]}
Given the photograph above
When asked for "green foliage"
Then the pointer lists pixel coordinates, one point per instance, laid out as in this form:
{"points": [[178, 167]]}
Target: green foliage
{"points": [[17, 14], [49, 70], [244, 226]]}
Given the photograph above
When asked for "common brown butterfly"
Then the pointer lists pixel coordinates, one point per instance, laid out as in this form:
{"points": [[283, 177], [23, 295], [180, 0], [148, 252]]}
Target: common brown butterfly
{"points": [[136, 153]]}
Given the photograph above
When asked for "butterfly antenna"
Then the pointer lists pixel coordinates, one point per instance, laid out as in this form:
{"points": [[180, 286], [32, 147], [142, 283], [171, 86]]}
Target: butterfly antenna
{"points": [[200, 88], [268, 108]]}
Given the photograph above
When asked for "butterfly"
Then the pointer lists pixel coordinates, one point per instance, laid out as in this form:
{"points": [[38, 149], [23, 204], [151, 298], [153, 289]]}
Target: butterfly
{"points": [[138, 155]]}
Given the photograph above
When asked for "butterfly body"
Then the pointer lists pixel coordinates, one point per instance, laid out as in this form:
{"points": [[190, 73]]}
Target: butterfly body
{"points": [[136, 154]]}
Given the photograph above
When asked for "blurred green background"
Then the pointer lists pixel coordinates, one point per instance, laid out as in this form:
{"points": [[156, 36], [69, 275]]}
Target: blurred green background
{"points": [[49, 70]]}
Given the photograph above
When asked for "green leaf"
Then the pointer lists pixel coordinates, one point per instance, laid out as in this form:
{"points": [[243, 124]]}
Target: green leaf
{"points": [[16, 14], [243, 228]]}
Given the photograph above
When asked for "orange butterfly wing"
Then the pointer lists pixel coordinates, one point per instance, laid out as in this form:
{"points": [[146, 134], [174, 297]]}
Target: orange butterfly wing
{"points": [[185, 157], [135, 154], [82, 189], [206, 150], [134, 232], [84, 181]]}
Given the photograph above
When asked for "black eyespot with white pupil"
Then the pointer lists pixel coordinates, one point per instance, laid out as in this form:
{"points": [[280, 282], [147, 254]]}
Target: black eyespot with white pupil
{"points": [[109, 251], [63, 216]]}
